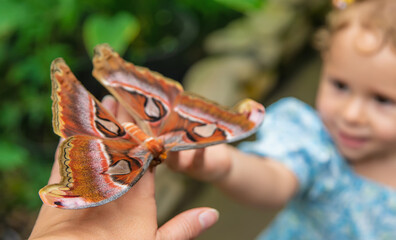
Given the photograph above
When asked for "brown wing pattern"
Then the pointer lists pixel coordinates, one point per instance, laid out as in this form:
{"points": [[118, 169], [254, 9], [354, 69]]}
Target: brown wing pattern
{"points": [[99, 161], [196, 122], [95, 171], [75, 110], [146, 95]]}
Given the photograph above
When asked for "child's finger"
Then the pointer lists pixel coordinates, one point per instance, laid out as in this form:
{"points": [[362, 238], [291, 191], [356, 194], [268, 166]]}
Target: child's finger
{"points": [[123, 115], [180, 161], [172, 160], [110, 104]]}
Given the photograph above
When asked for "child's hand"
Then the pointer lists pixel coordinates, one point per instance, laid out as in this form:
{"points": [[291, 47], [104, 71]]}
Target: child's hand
{"points": [[211, 164], [132, 216]]}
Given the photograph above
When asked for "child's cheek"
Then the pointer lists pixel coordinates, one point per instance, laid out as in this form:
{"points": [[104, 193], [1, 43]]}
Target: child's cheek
{"points": [[385, 130], [324, 112], [324, 107], [324, 100]]}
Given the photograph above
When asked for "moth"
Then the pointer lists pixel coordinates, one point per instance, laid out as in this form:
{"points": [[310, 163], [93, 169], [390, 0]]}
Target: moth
{"points": [[100, 159]]}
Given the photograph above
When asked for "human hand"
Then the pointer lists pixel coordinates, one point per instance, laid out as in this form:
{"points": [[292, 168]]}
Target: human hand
{"points": [[132, 216], [211, 164]]}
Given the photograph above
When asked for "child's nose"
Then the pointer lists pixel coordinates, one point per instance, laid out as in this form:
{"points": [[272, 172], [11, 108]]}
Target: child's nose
{"points": [[353, 112]]}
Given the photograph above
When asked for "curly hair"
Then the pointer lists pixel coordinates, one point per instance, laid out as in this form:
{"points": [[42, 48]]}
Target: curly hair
{"points": [[375, 16]]}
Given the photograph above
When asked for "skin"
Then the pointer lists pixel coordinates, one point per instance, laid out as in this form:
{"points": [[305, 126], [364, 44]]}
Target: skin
{"points": [[132, 216], [357, 103], [232, 170]]}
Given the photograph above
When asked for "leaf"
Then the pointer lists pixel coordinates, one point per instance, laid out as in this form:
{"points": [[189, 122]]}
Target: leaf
{"points": [[118, 31], [242, 5], [69, 12], [11, 155], [11, 115], [11, 15]]}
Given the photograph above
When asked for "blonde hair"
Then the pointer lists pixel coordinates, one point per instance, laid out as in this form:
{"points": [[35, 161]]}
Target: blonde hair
{"points": [[377, 17]]}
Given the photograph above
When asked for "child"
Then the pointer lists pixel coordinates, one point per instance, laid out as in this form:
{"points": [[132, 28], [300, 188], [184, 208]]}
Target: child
{"points": [[333, 170]]}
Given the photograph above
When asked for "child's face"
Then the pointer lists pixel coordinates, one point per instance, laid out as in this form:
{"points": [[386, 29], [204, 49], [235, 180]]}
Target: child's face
{"points": [[357, 97]]}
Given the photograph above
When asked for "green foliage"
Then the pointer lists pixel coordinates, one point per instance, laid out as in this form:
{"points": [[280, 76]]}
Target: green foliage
{"points": [[12, 155], [118, 31], [243, 6]]}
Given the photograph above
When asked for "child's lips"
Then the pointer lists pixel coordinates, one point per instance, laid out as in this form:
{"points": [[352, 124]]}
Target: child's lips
{"points": [[351, 141]]}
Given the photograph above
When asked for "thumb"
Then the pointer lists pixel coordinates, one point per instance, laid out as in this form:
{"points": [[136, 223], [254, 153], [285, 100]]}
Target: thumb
{"points": [[189, 224]]}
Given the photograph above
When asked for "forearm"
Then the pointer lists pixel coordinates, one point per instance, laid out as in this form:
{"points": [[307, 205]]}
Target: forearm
{"points": [[257, 181]]}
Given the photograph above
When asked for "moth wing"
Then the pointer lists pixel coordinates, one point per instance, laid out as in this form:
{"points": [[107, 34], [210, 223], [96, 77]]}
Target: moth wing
{"points": [[196, 122], [95, 171], [75, 111], [147, 96]]}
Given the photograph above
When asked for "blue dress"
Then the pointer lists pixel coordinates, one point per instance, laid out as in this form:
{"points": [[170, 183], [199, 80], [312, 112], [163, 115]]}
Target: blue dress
{"points": [[332, 202]]}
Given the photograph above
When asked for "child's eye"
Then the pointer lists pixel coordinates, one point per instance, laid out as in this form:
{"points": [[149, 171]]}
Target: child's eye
{"points": [[339, 84], [383, 100]]}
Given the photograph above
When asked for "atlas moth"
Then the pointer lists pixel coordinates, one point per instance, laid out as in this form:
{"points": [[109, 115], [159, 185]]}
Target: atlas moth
{"points": [[100, 159]]}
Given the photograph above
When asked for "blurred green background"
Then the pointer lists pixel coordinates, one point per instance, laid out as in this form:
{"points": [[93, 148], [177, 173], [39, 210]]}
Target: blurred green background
{"points": [[246, 48]]}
